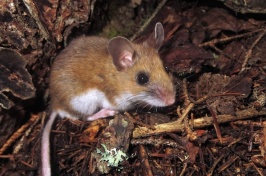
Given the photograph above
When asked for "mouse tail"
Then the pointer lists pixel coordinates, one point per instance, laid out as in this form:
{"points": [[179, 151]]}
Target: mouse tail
{"points": [[45, 145]]}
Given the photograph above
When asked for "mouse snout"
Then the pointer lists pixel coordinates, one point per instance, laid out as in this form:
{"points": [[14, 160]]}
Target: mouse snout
{"points": [[170, 100], [166, 95]]}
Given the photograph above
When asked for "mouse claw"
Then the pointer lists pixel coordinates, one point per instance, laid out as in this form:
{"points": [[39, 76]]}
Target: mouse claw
{"points": [[102, 114]]}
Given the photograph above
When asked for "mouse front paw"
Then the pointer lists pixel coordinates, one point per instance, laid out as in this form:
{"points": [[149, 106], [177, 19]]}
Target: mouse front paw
{"points": [[102, 114]]}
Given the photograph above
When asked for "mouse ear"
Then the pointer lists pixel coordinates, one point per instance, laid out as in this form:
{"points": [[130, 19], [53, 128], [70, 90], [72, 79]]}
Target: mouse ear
{"points": [[156, 38], [122, 53]]}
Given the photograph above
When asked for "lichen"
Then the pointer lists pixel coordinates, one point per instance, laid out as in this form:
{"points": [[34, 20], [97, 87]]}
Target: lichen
{"points": [[113, 157]]}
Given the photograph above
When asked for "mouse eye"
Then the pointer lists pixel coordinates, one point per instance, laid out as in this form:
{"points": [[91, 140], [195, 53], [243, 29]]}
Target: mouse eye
{"points": [[142, 78]]}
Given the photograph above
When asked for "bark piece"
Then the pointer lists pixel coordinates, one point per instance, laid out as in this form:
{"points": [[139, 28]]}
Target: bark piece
{"points": [[112, 145], [14, 78]]}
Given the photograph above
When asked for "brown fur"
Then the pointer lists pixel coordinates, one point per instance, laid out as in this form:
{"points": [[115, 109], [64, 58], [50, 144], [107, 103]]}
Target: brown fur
{"points": [[86, 64]]}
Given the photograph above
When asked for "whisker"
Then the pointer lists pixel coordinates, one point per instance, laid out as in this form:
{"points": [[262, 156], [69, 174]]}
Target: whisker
{"points": [[139, 101]]}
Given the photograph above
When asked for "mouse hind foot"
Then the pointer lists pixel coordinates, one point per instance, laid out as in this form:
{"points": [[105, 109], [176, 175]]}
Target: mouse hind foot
{"points": [[101, 114]]}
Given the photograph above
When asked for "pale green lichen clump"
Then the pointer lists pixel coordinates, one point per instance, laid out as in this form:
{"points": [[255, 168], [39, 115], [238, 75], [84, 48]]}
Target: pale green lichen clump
{"points": [[113, 157]]}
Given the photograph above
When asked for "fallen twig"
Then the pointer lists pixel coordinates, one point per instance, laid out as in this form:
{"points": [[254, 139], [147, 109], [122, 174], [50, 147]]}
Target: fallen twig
{"points": [[215, 123], [19, 132], [198, 123], [249, 52], [227, 39], [149, 20], [146, 169]]}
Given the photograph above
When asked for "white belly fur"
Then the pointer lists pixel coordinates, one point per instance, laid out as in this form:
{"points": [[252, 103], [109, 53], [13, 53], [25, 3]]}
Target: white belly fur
{"points": [[90, 101]]}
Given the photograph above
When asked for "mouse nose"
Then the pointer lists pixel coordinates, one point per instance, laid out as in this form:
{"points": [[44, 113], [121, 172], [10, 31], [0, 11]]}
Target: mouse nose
{"points": [[170, 100], [167, 96]]}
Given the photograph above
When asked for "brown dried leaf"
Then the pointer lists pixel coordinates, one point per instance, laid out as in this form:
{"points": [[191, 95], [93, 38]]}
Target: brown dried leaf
{"points": [[247, 6], [192, 151], [217, 86], [186, 58], [236, 50], [89, 135], [214, 21], [239, 84]]}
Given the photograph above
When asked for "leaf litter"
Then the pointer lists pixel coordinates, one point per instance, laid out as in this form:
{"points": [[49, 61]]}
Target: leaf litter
{"points": [[216, 127]]}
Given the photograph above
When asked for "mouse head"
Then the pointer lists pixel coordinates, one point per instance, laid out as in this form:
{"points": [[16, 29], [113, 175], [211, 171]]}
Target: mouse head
{"points": [[141, 69]]}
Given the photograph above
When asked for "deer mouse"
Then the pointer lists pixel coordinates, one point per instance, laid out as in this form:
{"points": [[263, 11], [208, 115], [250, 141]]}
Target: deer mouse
{"points": [[94, 77]]}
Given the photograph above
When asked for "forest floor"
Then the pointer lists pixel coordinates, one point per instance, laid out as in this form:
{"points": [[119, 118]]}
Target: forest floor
{"points": [[216, 127]]}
